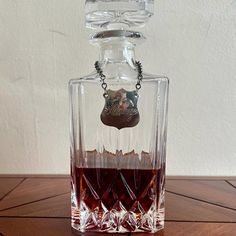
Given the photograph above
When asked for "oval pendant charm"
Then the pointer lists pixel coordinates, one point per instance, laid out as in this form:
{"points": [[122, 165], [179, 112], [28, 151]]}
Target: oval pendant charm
{"points": [[120, 109]]}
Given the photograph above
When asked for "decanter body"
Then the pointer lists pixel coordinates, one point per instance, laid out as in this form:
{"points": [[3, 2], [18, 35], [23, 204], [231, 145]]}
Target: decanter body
{"points": [[118, 174]]}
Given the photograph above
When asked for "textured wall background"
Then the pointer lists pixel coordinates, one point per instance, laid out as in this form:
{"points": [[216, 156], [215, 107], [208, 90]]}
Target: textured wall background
{"points": [[44, 43]]}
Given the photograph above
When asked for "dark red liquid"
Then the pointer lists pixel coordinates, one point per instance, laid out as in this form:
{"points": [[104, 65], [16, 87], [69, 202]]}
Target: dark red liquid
{"points": [[128, 189]]}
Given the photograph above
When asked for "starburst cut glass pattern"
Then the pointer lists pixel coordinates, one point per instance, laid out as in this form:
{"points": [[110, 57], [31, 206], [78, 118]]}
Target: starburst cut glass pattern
{"points": [[117, 199]]}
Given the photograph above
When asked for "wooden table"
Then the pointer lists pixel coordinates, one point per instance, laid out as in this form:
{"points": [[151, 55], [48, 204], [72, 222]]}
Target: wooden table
{"points": [[32, 206]]}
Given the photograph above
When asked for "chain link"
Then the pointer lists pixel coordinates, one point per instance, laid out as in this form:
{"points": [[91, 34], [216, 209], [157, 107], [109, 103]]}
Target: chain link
{"points": [[140, 75], [138, 86]]}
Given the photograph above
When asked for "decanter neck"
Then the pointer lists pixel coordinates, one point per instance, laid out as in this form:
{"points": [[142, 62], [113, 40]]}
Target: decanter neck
{"points": [[117, 52], [117, 46]]}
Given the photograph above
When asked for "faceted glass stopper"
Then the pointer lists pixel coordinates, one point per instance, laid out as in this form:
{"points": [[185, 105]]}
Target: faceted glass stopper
{"points": [[117, 14]]}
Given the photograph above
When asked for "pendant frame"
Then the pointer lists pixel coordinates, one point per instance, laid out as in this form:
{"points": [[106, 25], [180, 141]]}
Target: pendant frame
{"points": [[120, 109]]}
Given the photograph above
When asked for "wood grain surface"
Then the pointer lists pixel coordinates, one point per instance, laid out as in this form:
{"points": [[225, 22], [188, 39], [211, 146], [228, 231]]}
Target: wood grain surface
{"points": [[61, 227], [41, 206], [7, 185], [232, 182], [215, 192], [35, 189]]}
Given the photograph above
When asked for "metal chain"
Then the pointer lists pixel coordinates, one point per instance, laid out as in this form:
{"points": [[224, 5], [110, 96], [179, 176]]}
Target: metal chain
{"points": [[138, 86], [140, 75]]}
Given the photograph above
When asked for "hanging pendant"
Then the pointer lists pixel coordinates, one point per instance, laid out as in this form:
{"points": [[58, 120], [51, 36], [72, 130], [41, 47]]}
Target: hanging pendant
{"points": [[120, 109]]}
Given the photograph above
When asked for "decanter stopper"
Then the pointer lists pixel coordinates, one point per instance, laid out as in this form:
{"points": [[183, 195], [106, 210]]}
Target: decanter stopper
{"points": [[117, 14]]}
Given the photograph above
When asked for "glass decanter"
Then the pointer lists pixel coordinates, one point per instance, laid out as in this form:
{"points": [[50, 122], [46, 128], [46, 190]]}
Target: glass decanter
{"points": [[118, 141]]}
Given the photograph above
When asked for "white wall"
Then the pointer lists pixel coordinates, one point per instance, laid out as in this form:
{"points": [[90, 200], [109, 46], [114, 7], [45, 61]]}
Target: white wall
{"points": [[43, 43]]}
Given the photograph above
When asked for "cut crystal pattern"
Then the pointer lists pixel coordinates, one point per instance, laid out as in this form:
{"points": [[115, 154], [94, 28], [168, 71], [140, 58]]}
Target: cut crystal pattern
{"points": [[117, 200]]}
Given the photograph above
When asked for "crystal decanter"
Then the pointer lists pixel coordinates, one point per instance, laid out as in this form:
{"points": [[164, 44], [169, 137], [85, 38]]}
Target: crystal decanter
{"points": [[118, 128]]}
